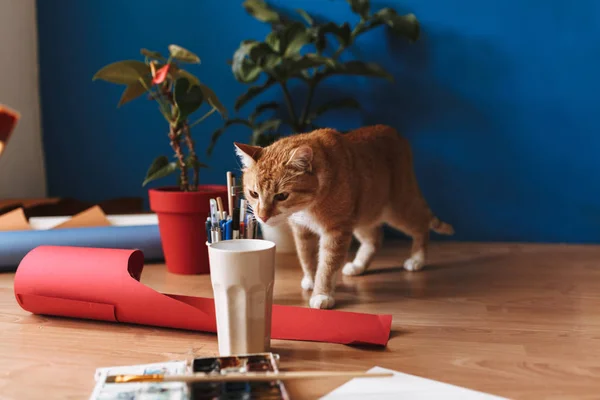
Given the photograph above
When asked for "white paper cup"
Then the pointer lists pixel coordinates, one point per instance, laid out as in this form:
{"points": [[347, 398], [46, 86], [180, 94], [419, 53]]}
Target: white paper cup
{"points": [[242, 273]]}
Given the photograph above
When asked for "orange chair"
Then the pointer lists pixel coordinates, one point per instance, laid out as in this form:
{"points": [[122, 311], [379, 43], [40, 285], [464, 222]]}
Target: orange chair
{"points": [[8, 121]]}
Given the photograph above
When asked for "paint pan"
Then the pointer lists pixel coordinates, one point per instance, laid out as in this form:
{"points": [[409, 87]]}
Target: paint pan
{"points": [[263, 362], [260, 362]]}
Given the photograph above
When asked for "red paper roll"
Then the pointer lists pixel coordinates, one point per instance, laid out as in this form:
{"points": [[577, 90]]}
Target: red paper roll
{"points": [[103, 284]]}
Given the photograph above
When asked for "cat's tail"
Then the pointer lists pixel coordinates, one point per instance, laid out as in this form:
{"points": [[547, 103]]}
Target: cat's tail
{"points": [[441, 227]]}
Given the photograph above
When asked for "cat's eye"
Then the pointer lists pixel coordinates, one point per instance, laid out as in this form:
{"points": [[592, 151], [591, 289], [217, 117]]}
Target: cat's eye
{"points": [[281, 196], [254, 194]]}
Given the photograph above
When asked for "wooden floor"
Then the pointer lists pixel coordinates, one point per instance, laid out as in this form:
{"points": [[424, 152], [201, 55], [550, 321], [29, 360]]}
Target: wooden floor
{"points": [[520, 321]]}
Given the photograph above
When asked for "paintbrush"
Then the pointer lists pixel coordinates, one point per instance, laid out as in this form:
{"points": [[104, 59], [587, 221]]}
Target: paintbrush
{"points": [[246, 377]]}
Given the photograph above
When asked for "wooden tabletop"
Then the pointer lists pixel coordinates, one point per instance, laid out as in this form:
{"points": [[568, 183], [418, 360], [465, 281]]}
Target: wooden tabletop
{"points": [[519, 321]]}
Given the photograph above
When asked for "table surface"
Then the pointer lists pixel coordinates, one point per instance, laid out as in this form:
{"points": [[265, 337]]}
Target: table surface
{"points": [[515, 320]]}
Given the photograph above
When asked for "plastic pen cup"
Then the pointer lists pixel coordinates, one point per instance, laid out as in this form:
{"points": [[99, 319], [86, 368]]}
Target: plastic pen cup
{"points": [[242, 274]]}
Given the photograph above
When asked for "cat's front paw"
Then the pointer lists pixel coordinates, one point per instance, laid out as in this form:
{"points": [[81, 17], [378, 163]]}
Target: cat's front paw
{"points": [[322, 301], [352, 269], [307, 283], [413, 264]]}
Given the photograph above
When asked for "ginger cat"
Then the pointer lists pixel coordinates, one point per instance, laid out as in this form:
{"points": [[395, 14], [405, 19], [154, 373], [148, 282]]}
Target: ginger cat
{"points": [[330, 186]]}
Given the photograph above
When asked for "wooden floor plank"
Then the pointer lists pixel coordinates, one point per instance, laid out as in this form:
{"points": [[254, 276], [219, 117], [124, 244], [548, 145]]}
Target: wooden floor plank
{"points": [[516, 320]]}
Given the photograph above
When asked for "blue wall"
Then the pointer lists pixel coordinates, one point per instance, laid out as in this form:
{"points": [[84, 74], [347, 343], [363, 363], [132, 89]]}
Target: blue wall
{"points": [[498, 100]]}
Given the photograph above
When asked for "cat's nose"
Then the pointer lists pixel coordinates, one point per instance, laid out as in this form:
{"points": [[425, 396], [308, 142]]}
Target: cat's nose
{"points": [[264, 218]]}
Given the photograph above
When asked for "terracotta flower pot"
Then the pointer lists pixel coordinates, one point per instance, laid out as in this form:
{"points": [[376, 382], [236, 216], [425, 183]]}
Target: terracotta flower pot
{"points": [[182, 225]]}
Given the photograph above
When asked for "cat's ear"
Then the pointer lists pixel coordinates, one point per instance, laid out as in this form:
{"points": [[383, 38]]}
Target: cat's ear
{"points": [[247, 154], [301, 158]]}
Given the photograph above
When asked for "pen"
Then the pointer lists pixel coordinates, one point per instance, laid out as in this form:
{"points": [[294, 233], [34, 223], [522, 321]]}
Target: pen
{"points": [[214, 218], [251, 228], [235, 225], [242, 217], [230, 191], [208, 230], [227, 232], [222, 224], [233, 191]]}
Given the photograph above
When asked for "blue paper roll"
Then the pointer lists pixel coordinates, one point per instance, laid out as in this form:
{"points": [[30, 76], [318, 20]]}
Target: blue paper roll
{"points": [[14, 245]]}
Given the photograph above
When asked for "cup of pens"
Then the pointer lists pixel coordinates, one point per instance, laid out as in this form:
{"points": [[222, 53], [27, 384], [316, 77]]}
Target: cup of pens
{"points": [[242, 276], [221, 226]]}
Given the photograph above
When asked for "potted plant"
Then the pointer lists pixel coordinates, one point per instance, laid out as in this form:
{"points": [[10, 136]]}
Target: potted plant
{"points": [[301, 50], [181, 209]]}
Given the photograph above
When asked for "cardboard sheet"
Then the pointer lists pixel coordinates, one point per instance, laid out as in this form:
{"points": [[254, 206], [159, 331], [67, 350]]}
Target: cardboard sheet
{"points": [[104, 284], [16, 220]]}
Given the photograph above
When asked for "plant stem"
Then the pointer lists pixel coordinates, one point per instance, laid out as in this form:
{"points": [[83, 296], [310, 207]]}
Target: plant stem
{"points": [[193, 158], [202, 118], [290, 106], [311, 91], [176, 145]]}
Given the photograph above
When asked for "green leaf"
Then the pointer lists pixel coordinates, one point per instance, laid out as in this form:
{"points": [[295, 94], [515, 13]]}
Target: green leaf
{"points": [[360, 68], [347, 102], [263, 127], [264, 140], [403, 25], [152, 54], [191, 163], [263, 55], [320, 43], [343, 32], [188, 98], [273, 105], [183, 55], [261, 11], [134, 90], [181, 73], [259, 50], [360, 7], [123, 72], [297, 67], [293, 38], [244, 69], [213, 100], [159, 168], [251, 93], [249, 72], [273, 40], [217, 133], [306, 17], [208, 93]]}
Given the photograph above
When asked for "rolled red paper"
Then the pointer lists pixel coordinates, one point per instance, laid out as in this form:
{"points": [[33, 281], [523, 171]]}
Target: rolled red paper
{"points": [[104, 284]]}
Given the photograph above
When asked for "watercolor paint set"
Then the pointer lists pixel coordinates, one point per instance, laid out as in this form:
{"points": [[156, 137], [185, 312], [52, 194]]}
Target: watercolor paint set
{"points": [[220, 366]]}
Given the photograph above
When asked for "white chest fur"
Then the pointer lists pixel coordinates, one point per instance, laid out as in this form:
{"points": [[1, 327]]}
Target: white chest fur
{"points": [[306, 219]]}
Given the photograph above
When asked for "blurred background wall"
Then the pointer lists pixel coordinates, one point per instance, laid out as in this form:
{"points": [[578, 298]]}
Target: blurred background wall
{"points": [[499, 100]]}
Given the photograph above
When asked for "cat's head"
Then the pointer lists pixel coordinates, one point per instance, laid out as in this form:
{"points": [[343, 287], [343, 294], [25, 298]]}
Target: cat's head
{"points": [[279, 179]]}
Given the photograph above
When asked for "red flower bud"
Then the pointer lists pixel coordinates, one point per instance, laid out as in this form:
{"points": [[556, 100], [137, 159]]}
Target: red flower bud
{"points": [[161, 75]]}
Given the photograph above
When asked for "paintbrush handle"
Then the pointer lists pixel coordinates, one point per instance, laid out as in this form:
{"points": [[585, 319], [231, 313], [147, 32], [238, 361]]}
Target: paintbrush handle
{"points": [[247, 377]]}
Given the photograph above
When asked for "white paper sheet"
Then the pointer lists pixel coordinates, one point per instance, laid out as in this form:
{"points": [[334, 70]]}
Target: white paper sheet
{"points": [[43, 223], [402, 386]]}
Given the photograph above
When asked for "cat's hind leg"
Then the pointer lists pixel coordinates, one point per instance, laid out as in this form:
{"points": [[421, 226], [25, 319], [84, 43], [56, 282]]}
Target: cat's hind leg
{"points": [[370, 238], [417, 227]]}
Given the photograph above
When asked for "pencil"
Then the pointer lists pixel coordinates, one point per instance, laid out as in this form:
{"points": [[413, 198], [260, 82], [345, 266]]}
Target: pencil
{"points": [[220, 206], [230, 191], [247, 377]]}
